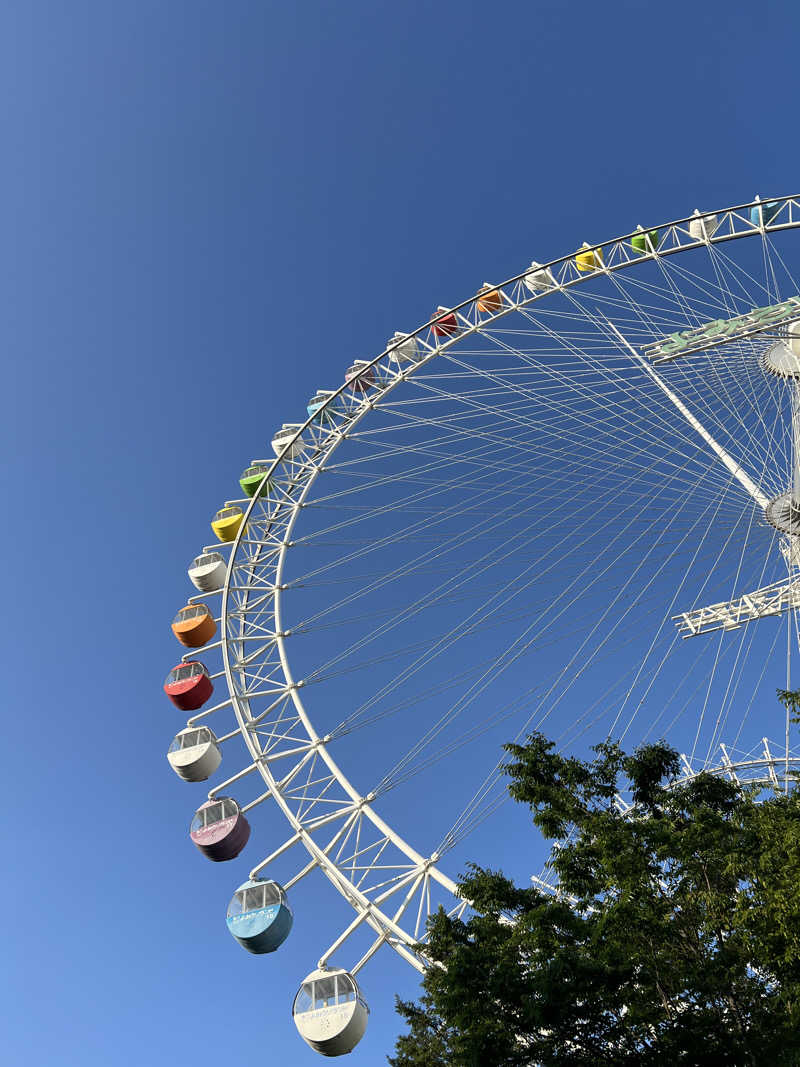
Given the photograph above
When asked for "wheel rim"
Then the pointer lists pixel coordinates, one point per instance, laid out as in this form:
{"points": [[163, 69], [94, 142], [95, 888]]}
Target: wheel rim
{"points": [[262, 687]]}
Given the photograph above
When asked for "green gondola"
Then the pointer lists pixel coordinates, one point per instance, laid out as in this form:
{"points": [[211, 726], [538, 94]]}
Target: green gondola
{"points": [[252, 478], [644, 241]]}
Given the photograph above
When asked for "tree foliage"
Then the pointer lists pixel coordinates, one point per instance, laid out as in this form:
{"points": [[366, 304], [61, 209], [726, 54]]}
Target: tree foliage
{"points": [[790, 698], [675, 938]]}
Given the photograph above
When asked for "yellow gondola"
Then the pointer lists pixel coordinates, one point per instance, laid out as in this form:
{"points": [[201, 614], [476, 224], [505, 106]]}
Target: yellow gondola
{"points": [[227, 521], [589, 258]]}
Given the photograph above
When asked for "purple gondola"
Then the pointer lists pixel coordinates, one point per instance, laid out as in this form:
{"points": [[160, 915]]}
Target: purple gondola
{"points": [[219, 829], [360, 376]]}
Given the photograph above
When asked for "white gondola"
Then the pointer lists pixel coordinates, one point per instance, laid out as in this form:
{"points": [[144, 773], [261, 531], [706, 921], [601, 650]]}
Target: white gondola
{"points": [[194, 754], [207, 572], [330, 1012], [404, 349], [538, 279], [701, 227], [283, 438]]}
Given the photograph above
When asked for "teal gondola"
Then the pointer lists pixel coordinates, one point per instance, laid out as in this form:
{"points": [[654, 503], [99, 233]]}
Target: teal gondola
{"points": [[259, 916]]}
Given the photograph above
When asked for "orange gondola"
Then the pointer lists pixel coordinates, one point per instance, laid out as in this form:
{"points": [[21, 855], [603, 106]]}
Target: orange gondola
{"points": [[194, 625], [489, 299]]}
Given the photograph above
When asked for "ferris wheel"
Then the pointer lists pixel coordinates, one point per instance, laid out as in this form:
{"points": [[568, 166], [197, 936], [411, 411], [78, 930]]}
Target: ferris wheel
{"points": [[569, 503]]}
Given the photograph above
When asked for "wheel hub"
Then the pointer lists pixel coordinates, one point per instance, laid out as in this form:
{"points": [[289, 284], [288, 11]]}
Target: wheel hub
{"points": [[783, 514]]}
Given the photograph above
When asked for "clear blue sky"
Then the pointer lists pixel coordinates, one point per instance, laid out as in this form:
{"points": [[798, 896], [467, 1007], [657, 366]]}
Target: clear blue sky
{"points": [[172, 176]]}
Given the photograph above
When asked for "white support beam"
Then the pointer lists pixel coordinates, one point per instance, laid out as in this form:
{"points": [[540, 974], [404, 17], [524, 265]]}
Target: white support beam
{"points": [[772, 600], [735, 468]]}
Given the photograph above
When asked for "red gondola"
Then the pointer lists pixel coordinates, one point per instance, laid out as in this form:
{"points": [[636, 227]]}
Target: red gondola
{"points": [[219, 829], [188, 686], [447, 325]]}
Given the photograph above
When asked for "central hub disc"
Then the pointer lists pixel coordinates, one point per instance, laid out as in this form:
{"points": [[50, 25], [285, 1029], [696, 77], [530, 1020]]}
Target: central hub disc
{"points": [[780, 360], [783, 514]]}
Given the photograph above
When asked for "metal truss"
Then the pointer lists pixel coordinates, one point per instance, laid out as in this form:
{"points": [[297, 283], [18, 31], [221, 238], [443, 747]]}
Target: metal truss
{"points": [[761, 767], [391, 887], [773, 599]]}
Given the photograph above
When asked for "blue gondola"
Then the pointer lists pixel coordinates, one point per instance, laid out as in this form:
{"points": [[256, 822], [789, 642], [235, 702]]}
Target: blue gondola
{"points": [[328, 415], [259, 916], [765, 210]]}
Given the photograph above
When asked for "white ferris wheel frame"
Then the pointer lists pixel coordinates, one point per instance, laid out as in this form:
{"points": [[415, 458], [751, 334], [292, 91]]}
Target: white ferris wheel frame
{"points": [[327, 815]]}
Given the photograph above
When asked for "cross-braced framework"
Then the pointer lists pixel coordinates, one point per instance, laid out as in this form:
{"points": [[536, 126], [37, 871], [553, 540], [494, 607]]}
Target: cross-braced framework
{"points": [[774, 599], [769, 766], [591, 475]]}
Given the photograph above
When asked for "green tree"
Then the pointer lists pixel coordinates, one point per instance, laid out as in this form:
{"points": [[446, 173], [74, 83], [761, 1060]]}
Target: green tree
{"points": [[790, 698], [675, 938]]}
